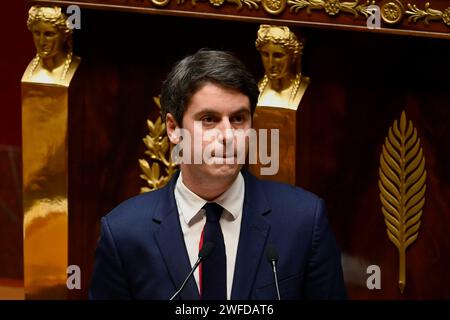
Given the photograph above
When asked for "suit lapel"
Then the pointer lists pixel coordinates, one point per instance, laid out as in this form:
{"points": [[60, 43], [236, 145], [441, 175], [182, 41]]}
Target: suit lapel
{"points": [[170, 241], [252, 239]]}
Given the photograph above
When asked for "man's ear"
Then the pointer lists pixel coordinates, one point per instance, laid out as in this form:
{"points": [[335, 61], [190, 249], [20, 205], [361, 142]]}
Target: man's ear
{"points": [[171, 126]]}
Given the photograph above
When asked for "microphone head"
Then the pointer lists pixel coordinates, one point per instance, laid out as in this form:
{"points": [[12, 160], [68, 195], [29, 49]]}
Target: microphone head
{"points": [[206, 250], [271, 253]]}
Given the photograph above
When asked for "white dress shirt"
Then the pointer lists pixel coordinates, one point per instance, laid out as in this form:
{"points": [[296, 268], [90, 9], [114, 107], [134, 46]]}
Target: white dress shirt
{"points": [[193, 219]]}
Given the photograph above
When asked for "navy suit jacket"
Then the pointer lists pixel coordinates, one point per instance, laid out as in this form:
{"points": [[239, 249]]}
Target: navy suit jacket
{"points": [[141, 252]]}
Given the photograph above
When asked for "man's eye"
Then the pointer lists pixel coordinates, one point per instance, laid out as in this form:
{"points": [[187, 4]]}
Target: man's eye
{"points": [[238, 119], [207, 119]]}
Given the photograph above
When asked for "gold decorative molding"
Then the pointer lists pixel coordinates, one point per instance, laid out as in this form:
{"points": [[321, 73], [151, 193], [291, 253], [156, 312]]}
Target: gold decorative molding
{"points": [[428, 14], [161, 3], [159, 149], [392, 12], [274, 7], [402, 188], [251, 4], [331, 7]]}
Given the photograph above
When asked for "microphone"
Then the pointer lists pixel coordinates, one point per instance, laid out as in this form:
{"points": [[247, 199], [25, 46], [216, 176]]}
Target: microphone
{"points": [[272, 257], [204, 253]]}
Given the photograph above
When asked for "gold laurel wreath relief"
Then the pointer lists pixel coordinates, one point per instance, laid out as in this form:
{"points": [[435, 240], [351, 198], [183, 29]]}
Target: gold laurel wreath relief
{"points": [[159, 149], [402, 188]]}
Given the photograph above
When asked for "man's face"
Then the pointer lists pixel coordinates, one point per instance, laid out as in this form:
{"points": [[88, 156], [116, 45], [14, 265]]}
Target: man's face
{"points": [[219, 113], [275, 60], [47, 39]]}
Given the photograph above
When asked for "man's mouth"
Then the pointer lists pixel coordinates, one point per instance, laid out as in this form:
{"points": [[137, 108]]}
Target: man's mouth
{"points": [[232, 155]]}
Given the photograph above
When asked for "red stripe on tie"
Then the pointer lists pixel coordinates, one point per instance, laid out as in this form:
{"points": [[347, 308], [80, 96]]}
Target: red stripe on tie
{"points": [[200, 245]]}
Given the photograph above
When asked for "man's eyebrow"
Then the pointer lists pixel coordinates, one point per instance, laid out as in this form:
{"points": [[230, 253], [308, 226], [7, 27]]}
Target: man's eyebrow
{"points": [[215, 112], [241, 110], [207, 111]]}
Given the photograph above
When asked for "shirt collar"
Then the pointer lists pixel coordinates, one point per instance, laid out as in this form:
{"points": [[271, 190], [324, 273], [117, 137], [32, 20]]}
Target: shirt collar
{"points": [[190, 204]]}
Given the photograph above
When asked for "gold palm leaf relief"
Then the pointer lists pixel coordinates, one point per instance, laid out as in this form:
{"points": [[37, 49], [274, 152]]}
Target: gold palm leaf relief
{"points": [[159, 149], [402, 188]]}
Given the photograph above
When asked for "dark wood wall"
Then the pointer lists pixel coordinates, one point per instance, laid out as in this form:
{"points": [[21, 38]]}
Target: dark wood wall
{"points": [[17, 51], [361, 82]]}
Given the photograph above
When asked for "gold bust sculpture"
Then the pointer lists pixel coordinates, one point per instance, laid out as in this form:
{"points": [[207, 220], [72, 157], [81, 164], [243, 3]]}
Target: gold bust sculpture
{"points": [[54, 62], [283, 85]]}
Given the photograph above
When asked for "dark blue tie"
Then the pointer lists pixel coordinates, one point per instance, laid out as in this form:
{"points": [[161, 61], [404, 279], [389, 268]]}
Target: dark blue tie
{"points": [[214, 268]]}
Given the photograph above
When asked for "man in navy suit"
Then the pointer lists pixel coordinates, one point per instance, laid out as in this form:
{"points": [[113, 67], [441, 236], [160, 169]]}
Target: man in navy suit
{"points": [[149, 243]]}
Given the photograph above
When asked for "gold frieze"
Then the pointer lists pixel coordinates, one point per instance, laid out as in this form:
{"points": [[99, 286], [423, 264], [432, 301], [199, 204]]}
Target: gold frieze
{"points": [[392, 11], [428, 14]]}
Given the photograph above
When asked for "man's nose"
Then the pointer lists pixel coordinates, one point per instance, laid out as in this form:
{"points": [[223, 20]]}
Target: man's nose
{"points": [[226, 129], [225, 124]]}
